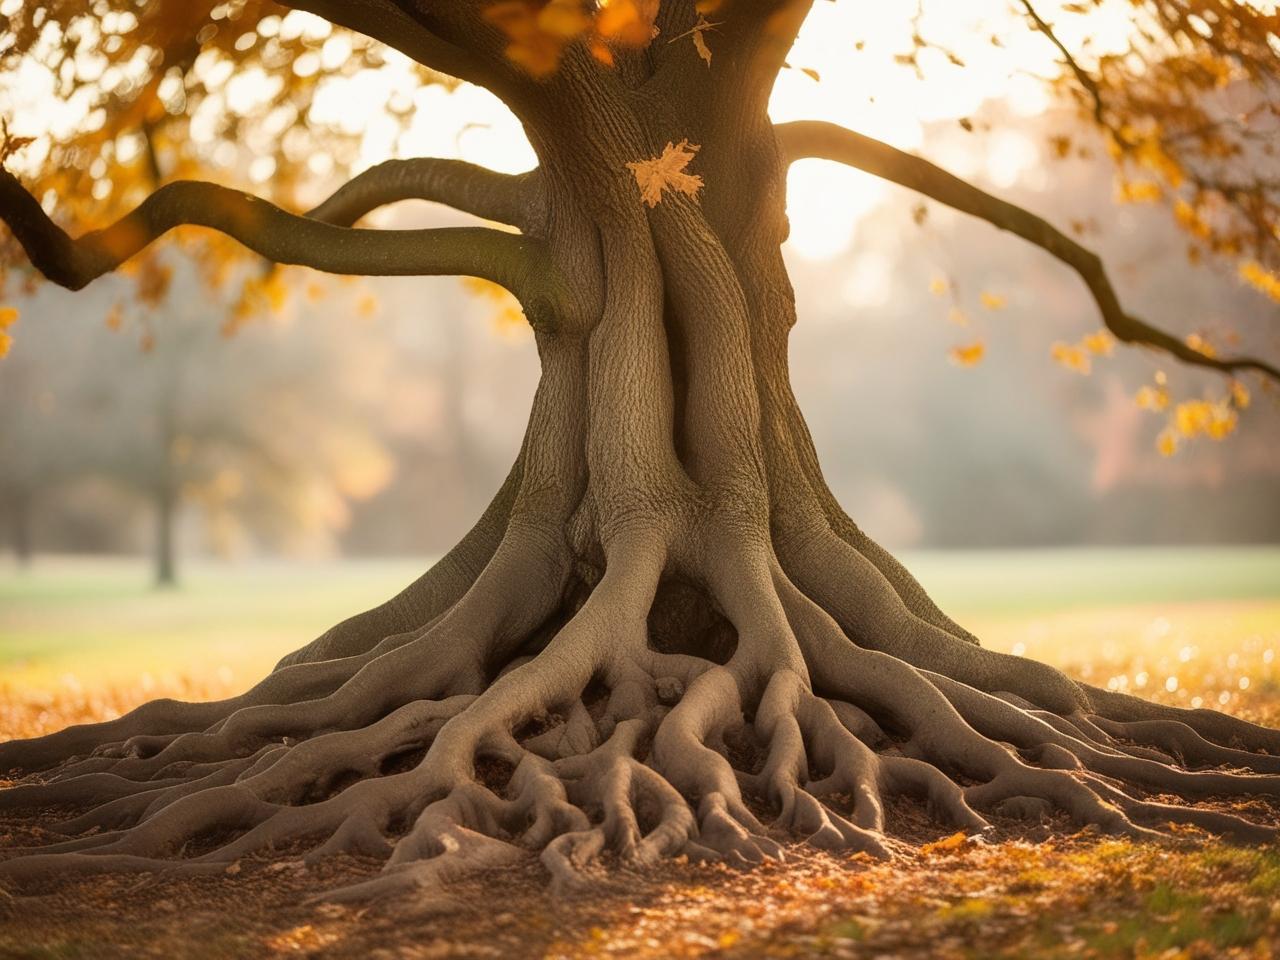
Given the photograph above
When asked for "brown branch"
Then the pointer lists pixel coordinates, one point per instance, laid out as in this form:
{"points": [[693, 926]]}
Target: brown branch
{"points": [[473, 189], [809, 138], [514, 261], [387, 23], [1083, 77]]}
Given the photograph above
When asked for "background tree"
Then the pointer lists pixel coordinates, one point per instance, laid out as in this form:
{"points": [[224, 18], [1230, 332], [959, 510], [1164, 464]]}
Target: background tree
{"points": [[265, 433], [665, 559]]}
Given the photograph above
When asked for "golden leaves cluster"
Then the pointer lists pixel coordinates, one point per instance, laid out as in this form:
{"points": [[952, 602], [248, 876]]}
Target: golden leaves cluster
{"points": [[1212, 417], [538, 33], [1078, 356], [8, 317]]}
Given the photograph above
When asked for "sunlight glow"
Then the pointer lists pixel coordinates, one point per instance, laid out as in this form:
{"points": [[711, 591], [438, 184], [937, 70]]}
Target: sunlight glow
{"points": [[852, 47]]}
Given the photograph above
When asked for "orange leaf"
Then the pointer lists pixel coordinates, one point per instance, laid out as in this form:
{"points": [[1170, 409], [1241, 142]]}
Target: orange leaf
{"points": [[666, 172], [967, 355]]}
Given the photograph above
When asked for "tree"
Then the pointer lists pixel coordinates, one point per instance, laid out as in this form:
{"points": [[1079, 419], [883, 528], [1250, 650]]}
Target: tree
{"points": [[664, 560]]}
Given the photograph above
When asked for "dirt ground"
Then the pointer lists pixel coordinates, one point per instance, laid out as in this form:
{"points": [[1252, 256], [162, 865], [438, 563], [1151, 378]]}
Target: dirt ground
{"points": [[1039, 892], [1042, 891]]}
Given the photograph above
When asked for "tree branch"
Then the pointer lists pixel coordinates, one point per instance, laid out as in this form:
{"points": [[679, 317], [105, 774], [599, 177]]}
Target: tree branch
{"points": [[514, 261], [473, 189], [809, 138], [385, 22], [1083, 77]]}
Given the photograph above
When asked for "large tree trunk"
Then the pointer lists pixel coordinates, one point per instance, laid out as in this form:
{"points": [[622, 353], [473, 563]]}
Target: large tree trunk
{"points": [[662, 627]]}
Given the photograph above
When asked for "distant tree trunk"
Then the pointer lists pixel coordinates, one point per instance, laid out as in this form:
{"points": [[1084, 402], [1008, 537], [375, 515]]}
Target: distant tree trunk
{"points": [[20, 528], [165, 563]]}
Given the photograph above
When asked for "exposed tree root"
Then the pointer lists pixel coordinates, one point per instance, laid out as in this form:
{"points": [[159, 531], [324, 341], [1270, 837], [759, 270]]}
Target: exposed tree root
{"points": [[591, 747]]}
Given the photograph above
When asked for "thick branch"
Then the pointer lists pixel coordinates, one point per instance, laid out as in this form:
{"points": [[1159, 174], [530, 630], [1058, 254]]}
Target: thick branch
{"points": [[516, 262], [808, 138], [385, 22], [485, 193]]}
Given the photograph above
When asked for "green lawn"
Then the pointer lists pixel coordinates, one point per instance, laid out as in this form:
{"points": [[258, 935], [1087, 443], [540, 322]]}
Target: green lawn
{"points": [[99, 619]]}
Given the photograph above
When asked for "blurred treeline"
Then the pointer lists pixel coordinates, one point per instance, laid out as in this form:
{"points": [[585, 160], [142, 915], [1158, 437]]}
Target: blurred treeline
{"points": [[378, 416]]}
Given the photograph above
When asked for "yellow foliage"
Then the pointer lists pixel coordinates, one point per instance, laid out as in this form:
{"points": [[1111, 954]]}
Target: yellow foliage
{"points": [[993, 301], [1072, 357], [938, 286], [1167, 442], [115, 317], [1190, 220], [1214, 419], [1152, 398], [1240, 395], [6, 342], [666, 172], [1223, 423], [1100, 344], [1200, 345], [958, 317], [8, 317], [967, 355], [1256, 275], [1139, 191]]}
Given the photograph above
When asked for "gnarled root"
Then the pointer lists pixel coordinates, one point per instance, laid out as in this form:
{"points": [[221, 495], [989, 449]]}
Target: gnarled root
{"points": [[601, 753]]}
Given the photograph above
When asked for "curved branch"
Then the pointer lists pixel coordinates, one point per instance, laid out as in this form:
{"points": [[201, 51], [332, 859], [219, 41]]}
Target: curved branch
{"points": [[514, 261], [472, 189], [387, 23], [811, 138]]}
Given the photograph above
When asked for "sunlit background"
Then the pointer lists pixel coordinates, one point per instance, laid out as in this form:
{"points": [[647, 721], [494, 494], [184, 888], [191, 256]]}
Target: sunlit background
{"points": [[329, 450]]}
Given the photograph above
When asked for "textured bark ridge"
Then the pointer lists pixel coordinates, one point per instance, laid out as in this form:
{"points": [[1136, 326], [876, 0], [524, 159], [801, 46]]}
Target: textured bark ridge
{"points": [[664, 636]]}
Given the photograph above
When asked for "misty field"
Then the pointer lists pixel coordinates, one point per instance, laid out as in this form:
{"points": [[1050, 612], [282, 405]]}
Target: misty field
{"points": [[85, 639]]}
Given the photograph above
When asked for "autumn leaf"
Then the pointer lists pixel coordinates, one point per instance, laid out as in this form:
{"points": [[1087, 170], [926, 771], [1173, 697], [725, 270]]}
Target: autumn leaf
{"points": [[938, 286], [1100, 344], [1139, 191], [1152, 398], [1257, 276], [700, 42], [967, 355], [948, 846], [993, 301], [1200, 345], [8, 317], [1072, 357], [666, 172], [1239, 394]]}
